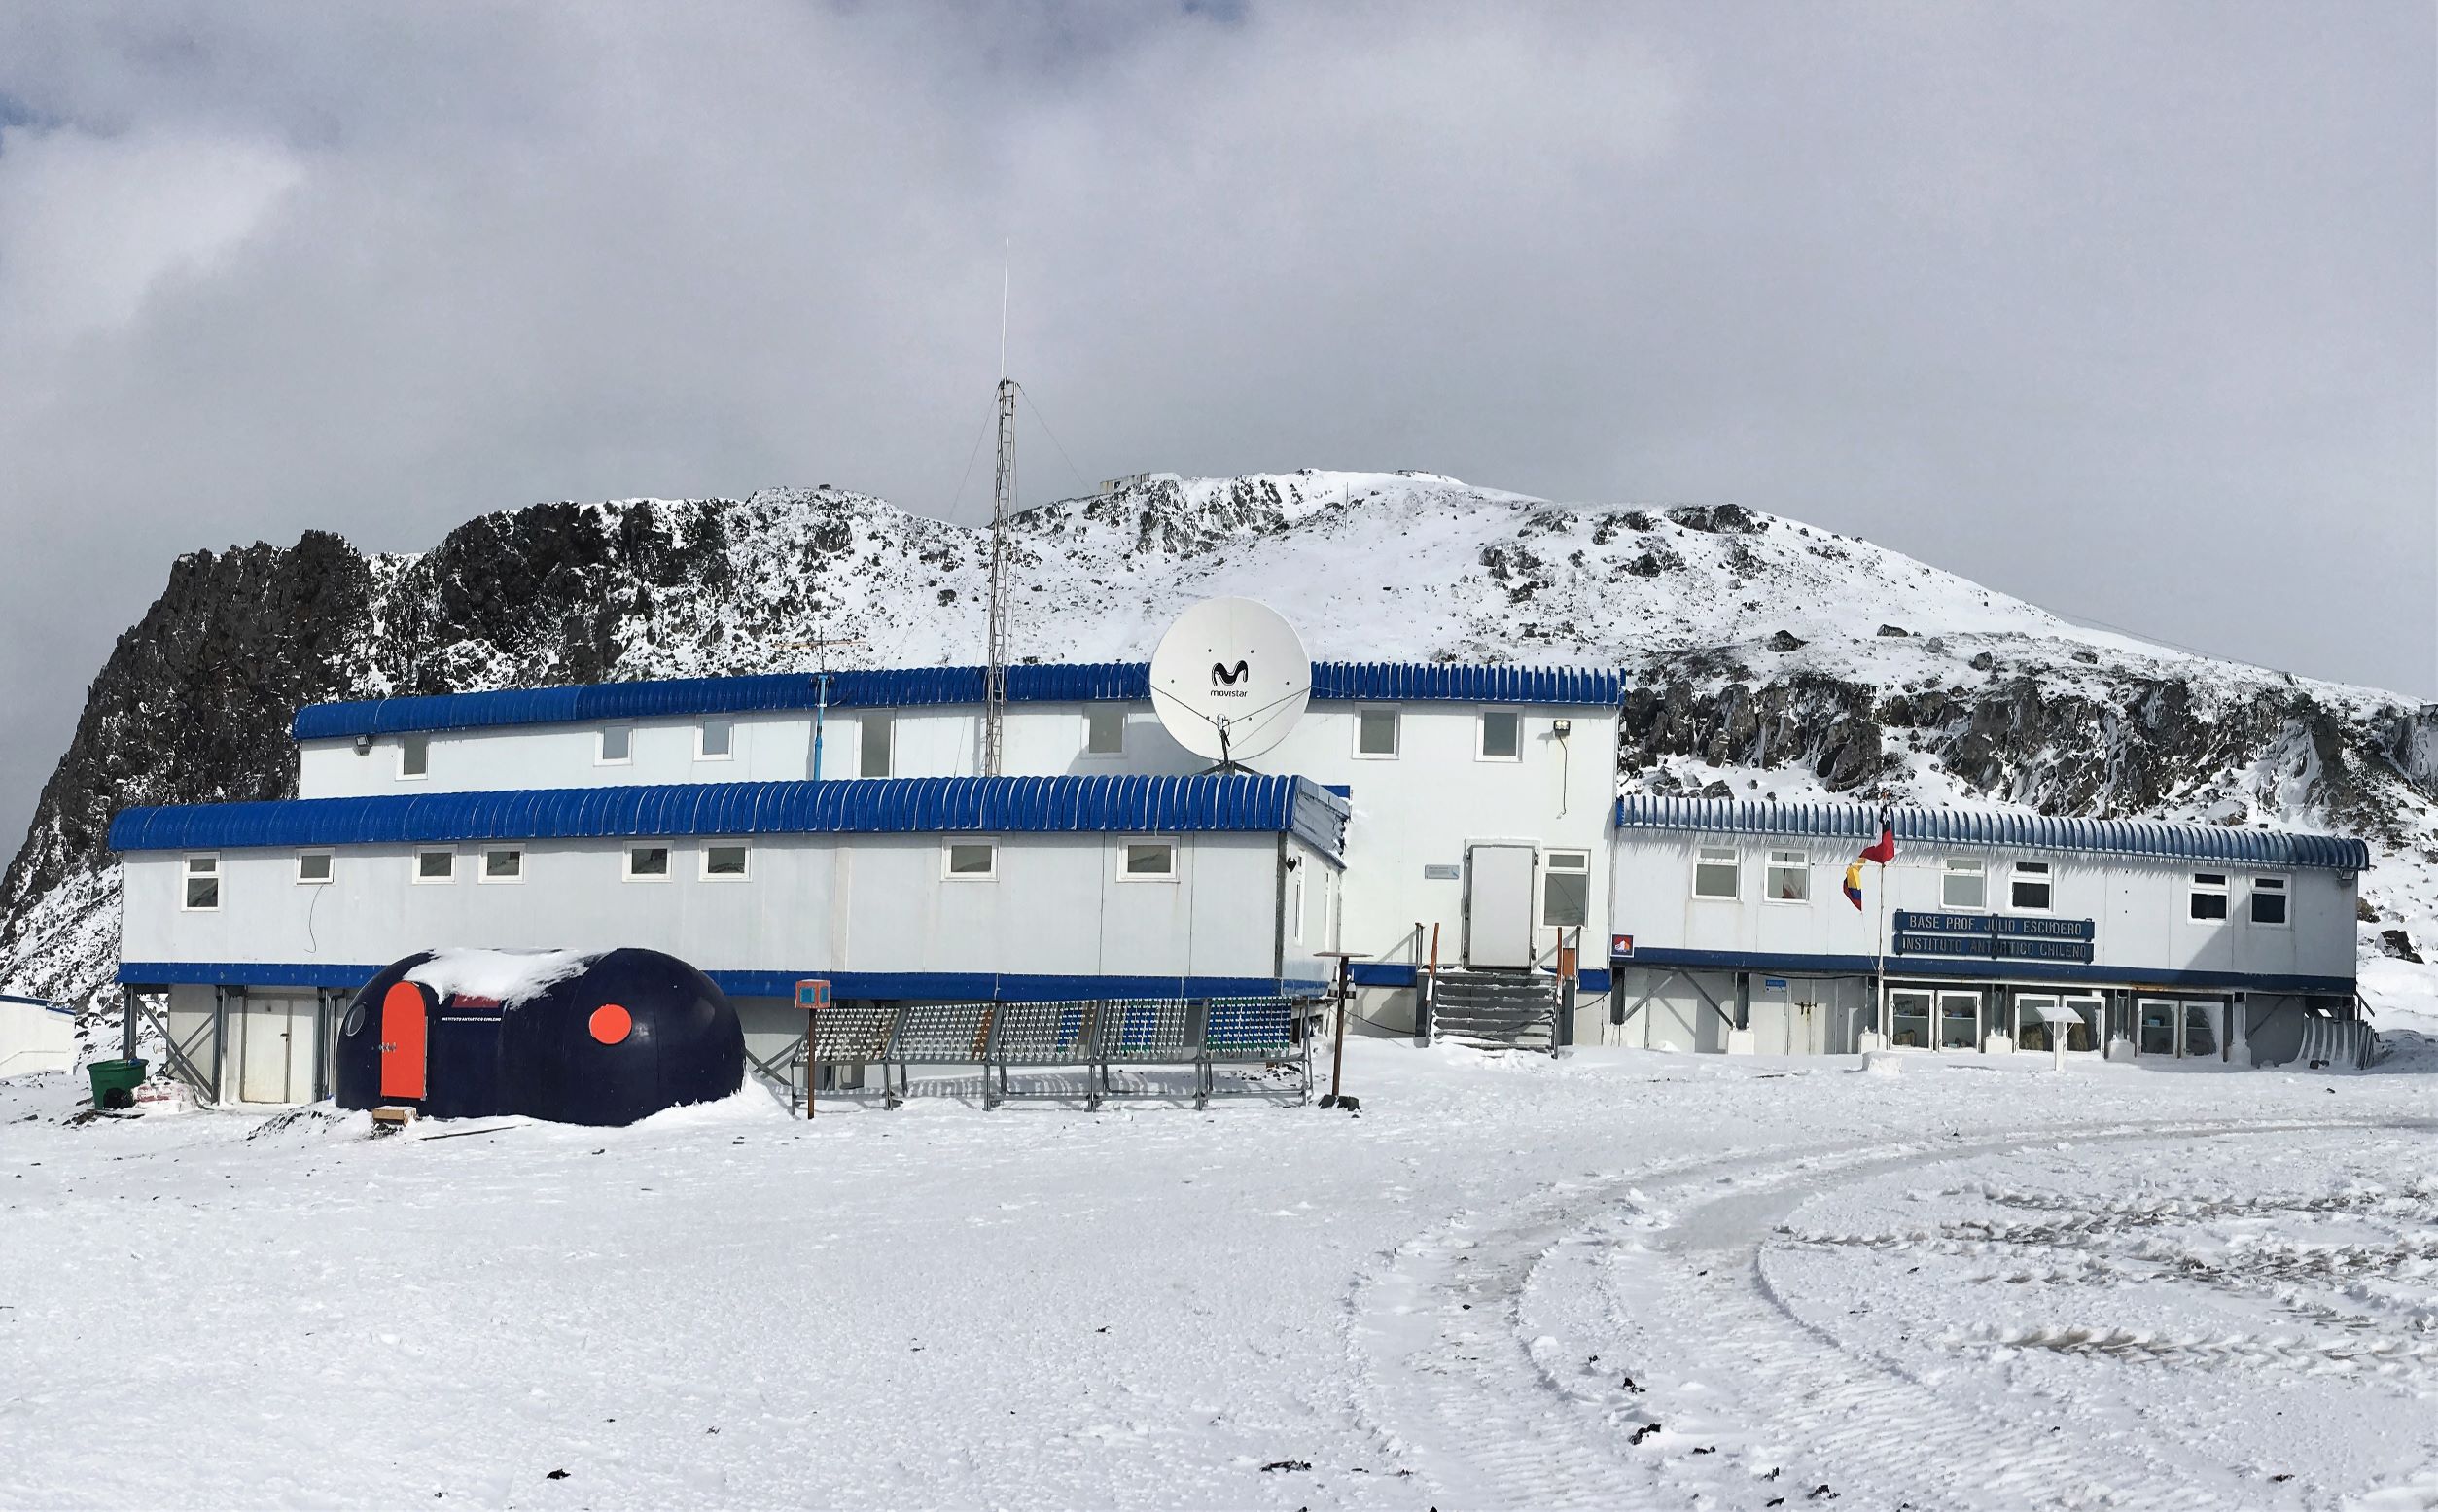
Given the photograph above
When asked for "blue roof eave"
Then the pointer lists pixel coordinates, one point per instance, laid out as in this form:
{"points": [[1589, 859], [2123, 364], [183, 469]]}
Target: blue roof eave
{"points": [[2011, 831], [905, 805], [924, 686]]}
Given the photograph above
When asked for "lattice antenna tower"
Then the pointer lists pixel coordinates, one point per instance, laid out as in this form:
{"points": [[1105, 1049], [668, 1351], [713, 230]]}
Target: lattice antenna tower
{"points": [[1003, 506]]}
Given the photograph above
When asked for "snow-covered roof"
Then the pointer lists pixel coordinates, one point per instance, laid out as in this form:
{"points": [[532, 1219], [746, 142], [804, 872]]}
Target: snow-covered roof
{"points": [[902, 805], [914, 687], [1985, 828]]}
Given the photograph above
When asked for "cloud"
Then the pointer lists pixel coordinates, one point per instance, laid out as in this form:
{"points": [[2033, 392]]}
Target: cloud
{"points": [[2086, 301], [90, 224]]}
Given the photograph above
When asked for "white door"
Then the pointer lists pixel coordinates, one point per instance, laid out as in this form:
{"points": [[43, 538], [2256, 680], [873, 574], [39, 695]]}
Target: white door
{"points": [[262, 1047], [275, 1049], [1499, 906]]}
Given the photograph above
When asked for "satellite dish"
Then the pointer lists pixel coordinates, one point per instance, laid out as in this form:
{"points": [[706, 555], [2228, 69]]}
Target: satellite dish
{"points": [[1230, 679]]}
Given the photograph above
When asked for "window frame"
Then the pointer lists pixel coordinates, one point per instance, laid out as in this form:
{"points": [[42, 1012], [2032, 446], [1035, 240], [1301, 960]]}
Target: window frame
{"points": [[1397, 733], [2196, 888], [1125, 859], [416, 873], [863, 723], [702, 741], [1951, 867], [2046, 872], [702, 864], [626, 863], [949, 849], [1553, 866], [1100, 714], [1772, 865], [1481, 734], [188, 875], [1706, 856], [2281, 889], [601, 745], [420, 744], [483, 866], [330, 868]]}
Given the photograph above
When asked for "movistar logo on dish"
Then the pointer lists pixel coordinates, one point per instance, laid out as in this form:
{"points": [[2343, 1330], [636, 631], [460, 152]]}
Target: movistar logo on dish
{"points": [[1223, 681]]}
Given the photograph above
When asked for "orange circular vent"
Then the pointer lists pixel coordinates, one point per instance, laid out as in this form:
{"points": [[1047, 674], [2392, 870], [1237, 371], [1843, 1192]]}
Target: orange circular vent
{"points": [[610, 1023]]}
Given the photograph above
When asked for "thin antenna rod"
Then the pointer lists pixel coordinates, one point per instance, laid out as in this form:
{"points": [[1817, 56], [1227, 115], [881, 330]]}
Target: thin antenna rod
{"points": [[1003, 504]]}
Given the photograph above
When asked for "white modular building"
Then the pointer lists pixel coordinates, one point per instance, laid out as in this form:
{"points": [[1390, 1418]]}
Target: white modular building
{"points": [[256, 921], [1986, 933], [1479, 795], [35, 1034], [768, 829]]}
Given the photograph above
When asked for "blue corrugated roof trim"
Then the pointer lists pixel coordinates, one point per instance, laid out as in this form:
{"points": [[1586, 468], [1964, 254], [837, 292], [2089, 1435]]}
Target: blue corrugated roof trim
{"points": [[919, 687], [2015, 831], [903, 805]]}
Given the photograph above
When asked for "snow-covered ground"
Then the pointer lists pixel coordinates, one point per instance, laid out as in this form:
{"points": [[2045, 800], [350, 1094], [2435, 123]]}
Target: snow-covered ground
{"points": [[1619, 1279]]}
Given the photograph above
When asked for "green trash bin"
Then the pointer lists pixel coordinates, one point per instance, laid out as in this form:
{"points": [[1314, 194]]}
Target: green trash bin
{"points": [[115, 1082]]}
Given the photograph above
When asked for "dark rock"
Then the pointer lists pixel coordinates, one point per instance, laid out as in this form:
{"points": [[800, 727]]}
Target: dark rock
{"points": [[1897, 632], [1730, 519], [1785, 641], [2399, 945], [1983, 661]]}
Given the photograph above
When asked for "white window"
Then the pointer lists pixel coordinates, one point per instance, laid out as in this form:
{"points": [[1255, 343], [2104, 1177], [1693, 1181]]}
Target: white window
{"points": [[617, 745], [203, 884], [314, 866], [1790, 877], [1501, 736], [714, 739], [2268, 901], [1717, 872], [1565, 889], [436, 865], [502, 863], [647, 864], [1375, 733], [724, 861], [970, 861], [1105, 731], [2029, 890], [874, 737], [1962, 884], [415, 756], [1154, 860], [2208, 896]]}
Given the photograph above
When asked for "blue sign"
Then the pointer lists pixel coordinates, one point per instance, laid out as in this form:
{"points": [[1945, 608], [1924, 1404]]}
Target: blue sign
{"points": [[1773, 984], [1997, 936]]}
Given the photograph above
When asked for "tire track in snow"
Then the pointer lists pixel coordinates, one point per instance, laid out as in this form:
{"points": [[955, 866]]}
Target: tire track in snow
{"points": [[1465, 1342]]}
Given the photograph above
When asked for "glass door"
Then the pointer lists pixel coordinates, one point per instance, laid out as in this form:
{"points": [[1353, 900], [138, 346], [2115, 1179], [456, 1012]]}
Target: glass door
{"points": [[2036, 1022], [2202, 1037], [1959, 1021], [1909, 1020], [2156, 1034], [2081, 1024]]}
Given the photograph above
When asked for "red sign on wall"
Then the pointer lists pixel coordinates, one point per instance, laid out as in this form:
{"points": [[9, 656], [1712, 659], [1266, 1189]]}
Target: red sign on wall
{"points": [[1620, 945]]}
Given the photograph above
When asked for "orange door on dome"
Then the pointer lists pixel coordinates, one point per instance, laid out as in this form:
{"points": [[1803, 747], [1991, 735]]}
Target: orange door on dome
{"points": [[403, 1041]]}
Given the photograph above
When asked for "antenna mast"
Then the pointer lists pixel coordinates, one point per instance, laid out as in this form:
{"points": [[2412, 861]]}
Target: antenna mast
{"points": [[1002, 502]]}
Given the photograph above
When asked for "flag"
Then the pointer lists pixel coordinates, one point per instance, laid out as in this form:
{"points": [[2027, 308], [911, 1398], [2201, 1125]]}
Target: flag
{"points": [[1853, 885], [1884, 851]]}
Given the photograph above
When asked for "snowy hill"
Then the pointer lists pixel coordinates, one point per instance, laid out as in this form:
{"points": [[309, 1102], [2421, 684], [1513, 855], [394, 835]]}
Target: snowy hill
{"points": [[1761, 653]]}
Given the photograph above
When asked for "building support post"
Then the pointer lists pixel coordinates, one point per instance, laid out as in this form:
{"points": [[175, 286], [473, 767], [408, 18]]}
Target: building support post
{"points": [[219, 1043], [126, 1021]]}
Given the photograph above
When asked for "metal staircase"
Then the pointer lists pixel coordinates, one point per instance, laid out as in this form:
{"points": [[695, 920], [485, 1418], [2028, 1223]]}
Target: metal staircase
{"points": [[1496, 1011]]}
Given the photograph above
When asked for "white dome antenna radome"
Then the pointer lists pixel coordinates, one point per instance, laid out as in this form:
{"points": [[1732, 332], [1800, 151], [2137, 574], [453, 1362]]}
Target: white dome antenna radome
{"points": [[1229, 679]]}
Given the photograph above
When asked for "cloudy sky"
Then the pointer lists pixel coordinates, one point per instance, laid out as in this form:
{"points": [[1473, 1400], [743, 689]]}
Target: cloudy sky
{"points": [[2125, 309]]}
